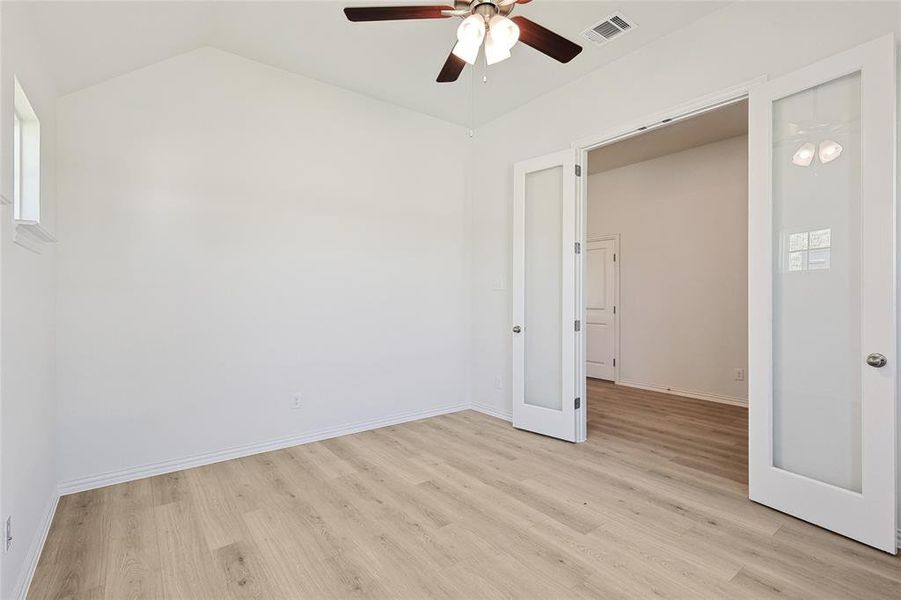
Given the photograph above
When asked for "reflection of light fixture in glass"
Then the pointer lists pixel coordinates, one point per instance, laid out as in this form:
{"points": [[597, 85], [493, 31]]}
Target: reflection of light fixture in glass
{"points": [[495, 51], [829, 151], [804, 156]]}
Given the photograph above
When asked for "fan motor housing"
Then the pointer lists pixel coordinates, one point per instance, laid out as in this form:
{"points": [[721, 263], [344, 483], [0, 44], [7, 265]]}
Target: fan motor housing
{"points": [[486, 8]]}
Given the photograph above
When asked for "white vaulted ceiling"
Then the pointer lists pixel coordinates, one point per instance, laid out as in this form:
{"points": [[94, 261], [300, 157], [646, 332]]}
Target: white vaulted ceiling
{"points": [[85, 43]]}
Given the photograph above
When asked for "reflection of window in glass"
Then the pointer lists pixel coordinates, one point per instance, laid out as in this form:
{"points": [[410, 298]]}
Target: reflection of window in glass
{"points": [[809, 250], [798, 241], [820, 239], [818, 259], [796, 261]]}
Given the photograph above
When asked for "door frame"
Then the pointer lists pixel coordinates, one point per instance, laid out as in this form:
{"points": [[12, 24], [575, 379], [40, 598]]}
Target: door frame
{"points": [[580, 148], [617, 254]]}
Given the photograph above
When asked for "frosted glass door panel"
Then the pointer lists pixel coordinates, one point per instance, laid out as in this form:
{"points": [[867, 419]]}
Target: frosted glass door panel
{"points": [[542, 326], [545, 287], [817, 350]]}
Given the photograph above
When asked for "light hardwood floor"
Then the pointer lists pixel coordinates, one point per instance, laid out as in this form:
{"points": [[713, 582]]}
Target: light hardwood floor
{"points": [[463, 506]]}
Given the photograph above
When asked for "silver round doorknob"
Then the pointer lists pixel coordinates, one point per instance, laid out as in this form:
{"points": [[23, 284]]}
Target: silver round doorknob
{"points": [[876, 360], [517, 329]]}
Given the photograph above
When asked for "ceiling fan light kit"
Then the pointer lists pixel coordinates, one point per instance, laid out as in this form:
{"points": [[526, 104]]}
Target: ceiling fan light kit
{"points": [[485, 22], [467, 51], [470, 34], [504, 30], [471, 30], [495, 51]]}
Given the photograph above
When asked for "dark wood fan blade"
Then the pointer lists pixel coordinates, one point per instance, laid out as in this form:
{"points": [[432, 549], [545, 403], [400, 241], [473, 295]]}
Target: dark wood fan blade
{"points": [[395, 13], [546, 41], [452, 68]]}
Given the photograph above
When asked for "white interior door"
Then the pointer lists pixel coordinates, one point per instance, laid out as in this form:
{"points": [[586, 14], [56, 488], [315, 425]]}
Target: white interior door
{"points": [[823, 359], [544, 309], [600, 309]]}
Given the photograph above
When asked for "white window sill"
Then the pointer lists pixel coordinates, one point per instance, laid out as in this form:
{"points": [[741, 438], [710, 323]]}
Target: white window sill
{"points": [[32, 236]]}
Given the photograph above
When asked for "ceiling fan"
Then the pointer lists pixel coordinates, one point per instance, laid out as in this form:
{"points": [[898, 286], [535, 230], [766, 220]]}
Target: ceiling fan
{"points": [[483, 21]]}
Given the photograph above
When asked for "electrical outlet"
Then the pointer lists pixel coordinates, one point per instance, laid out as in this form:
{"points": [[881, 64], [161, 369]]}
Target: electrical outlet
{"points": [[739, 374], [9, 533], [295, 402], [499, 383]]}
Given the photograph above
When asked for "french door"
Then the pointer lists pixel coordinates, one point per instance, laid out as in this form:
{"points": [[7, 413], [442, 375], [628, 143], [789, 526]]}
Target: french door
{"points": [[823, 358], [544, 325]]}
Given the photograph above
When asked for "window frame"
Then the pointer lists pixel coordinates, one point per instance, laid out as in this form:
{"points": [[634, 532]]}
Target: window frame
{"points": [[27, 162], [17, 163]]}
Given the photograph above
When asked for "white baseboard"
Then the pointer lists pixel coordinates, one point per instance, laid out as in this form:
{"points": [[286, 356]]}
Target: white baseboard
{"points": [[506, 415], [721, 398], [168, 466], [34, 551]]}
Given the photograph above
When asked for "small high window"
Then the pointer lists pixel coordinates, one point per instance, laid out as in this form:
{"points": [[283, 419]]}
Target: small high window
{"points": [[26, 159]]}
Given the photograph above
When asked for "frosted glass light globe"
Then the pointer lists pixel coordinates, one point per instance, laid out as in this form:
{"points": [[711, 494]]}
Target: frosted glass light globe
{"points": [[472, 30], [504, 31]]}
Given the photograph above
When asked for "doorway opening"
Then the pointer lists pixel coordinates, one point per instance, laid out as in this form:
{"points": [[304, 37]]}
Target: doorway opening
{"points": [[665, 290]]}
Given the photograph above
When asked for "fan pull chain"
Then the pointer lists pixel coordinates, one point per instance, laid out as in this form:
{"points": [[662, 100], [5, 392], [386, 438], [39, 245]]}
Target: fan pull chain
{"points": [[472, 101]]}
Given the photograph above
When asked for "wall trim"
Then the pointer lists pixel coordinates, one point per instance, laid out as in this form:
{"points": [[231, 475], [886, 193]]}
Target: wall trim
{"points": [[32, 236], [91, 482], [721, 398], [34, 552], [506, 415]]}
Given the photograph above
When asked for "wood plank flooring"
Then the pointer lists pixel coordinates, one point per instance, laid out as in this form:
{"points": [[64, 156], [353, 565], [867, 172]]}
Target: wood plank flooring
{"points": [[654, 505]]}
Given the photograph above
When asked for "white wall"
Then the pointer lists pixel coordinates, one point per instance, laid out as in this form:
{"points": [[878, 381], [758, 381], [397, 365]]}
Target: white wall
{"points": [[233, 234], [736, 44], [27, 318], [683, 225]]}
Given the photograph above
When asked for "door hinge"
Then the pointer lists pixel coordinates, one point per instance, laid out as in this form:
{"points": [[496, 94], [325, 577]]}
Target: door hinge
{"points": [[614, 310], [578, 248], [578, 325], [578, 170], [614, 257], [578, 403], [614, 362]]}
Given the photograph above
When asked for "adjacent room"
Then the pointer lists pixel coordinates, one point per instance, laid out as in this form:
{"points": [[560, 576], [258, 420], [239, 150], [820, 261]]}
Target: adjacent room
{"points": [[666, 298], [310, 299]]}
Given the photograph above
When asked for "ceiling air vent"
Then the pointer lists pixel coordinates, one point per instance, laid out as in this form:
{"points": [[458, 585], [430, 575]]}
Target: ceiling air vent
{"points": [[613, 26]]}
